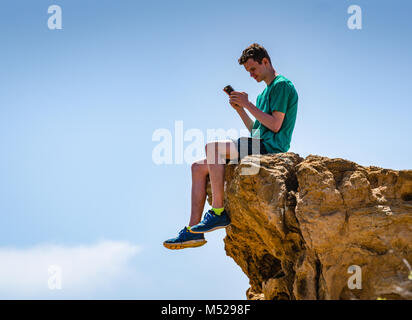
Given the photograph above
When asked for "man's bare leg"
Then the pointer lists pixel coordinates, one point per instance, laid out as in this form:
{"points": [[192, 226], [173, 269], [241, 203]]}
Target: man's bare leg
{"points": [[216, 155], [200, 170], [199, 178]]}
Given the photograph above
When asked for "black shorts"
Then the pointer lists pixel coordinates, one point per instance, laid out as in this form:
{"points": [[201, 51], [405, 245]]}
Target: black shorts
{"points": [[247, 146]]}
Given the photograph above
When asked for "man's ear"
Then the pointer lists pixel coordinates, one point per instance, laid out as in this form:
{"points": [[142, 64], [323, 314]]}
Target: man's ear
{"points": [[265, 61]]}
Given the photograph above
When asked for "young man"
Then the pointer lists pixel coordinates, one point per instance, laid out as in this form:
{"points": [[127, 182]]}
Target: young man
{"points": [[275, 114]]}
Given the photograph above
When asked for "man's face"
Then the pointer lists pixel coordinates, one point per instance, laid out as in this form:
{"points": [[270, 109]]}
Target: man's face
{"points": [[256, 70]]}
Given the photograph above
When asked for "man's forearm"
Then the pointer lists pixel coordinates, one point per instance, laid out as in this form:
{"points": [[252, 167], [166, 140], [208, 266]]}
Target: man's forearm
{"points": [[246, 119], [271, 121], [264, 118]]}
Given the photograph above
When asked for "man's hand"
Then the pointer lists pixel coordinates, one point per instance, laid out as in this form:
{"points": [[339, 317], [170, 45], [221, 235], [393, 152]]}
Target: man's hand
{"points": [[236, 107], [239, 98]]}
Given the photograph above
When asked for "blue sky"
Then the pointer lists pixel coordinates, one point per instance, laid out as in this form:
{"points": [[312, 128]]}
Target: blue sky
{"points": [[79, 106]]}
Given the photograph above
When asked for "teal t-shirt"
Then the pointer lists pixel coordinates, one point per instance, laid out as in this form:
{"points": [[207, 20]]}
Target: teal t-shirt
{"points": [[279, 95]]}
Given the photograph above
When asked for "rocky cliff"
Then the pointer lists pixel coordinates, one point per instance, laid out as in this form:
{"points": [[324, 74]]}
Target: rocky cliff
{"points": [[319, 228]]}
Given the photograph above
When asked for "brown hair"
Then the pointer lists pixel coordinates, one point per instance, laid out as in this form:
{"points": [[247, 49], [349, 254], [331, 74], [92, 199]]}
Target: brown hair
{"points": [[256, 52]]}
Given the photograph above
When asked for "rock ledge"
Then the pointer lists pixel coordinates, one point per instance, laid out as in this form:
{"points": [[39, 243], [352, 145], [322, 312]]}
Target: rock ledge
{"points": [[298, 226]]}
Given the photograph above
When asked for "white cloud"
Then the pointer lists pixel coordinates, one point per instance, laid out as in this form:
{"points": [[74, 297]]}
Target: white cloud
{"points": [[86, 270]]}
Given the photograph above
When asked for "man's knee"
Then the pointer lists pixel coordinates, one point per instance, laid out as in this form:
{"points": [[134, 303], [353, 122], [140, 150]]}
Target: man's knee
{"points": [[200, 167]]}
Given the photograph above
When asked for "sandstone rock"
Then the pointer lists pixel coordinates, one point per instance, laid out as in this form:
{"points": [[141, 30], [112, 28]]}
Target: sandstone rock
{"points": [[299, 224]]}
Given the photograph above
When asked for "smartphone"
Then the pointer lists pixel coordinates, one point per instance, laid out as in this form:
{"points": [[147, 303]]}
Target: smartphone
{"points": [[228, 89]]}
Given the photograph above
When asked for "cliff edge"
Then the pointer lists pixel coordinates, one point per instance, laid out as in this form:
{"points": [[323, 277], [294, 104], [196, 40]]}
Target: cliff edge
{"points": [[319, 228]]}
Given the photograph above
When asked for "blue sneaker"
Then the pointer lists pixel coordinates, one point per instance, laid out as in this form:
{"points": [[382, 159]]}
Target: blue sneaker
{"points": [[211, 221], [185, 239]]}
